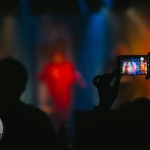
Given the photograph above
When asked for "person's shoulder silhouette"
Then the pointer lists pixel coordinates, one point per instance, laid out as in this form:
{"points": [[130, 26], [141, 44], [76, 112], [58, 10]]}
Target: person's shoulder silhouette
{"points": [[133, 124], [26, 127]]}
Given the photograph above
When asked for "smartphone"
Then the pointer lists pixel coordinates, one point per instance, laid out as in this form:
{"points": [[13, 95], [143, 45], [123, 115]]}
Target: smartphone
{"points": [[133, 64]]}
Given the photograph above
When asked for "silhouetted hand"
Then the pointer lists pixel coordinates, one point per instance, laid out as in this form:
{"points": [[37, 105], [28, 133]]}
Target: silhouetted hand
{"points": [[147, 76], [148, 73], [107, 93]]}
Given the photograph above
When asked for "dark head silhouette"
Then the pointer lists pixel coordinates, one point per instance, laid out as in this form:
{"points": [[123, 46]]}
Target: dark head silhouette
{"points": [[13, 78], [134, 124], [26, 127]]}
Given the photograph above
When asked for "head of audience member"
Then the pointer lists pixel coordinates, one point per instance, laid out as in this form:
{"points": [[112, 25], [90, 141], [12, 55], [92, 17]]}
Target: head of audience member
{"points": [[13, 79], [134, 123]]}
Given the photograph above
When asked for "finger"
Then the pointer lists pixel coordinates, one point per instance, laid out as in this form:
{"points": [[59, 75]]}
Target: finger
{"points": [[104, 79], [147, 76], [117, 81], [112, 75], [114, 72], [96, 80], [107, 78]]}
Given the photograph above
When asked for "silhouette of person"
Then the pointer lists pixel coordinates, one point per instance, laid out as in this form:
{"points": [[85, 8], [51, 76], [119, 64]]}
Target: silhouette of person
{"points": [[125, 128], [133, 125], [26, 127]]}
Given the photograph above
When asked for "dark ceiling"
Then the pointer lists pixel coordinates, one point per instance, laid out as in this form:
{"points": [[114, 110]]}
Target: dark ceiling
{"points": [[68, 6]]}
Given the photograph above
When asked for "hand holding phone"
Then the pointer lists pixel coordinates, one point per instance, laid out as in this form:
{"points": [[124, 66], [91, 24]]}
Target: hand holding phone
{"points": [[107, 93]]}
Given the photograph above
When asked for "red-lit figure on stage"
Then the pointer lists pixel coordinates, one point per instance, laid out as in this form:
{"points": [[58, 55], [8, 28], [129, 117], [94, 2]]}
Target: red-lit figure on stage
{"points": [[59, 76]]}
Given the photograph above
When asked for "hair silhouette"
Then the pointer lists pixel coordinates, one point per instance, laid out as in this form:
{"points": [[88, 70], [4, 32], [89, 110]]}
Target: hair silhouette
{"points": [[13, 78], [26, 127]]}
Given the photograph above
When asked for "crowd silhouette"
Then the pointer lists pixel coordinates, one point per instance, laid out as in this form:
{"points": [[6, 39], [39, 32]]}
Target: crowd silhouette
{"points": [[124, 128], [27, 127]]}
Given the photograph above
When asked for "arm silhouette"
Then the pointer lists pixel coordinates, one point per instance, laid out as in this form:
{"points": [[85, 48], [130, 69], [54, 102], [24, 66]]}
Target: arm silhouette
{"points": [[107, 93]]}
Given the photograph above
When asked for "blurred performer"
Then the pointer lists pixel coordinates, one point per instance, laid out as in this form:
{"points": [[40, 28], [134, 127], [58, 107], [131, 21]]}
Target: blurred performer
{"points": [[133, 67], [59, 76], [143, 65], [126, 67]]}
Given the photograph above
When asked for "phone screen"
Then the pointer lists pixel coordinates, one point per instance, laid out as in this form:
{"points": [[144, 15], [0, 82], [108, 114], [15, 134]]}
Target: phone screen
{"points": [[133, 64]]}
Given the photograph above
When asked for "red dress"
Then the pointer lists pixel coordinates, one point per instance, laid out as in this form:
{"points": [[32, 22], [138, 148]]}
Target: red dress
{"points": [[59, 78]]}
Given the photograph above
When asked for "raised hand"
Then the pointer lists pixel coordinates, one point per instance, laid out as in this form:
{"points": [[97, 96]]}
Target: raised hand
{"points": [[107, 93]]}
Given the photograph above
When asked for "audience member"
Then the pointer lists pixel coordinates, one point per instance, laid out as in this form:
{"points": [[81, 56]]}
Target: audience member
{"points": [[125, 128], [26, 127]]}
